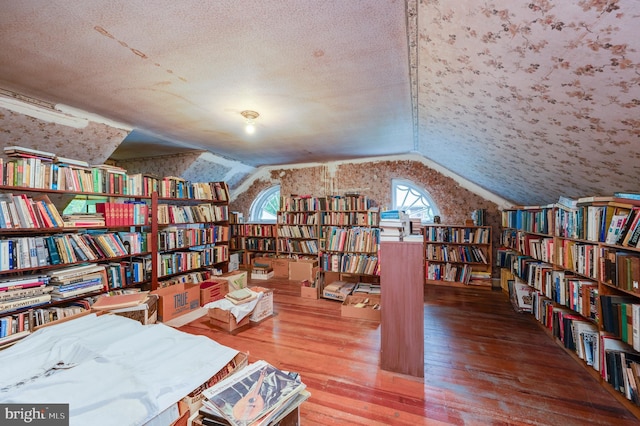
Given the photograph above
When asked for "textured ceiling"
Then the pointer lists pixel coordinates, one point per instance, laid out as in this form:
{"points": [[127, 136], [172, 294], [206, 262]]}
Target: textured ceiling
{"points": [[530, 100]]}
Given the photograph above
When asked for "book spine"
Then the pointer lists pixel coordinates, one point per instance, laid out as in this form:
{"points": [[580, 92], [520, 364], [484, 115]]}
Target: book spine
{"points": [[24, 303]]}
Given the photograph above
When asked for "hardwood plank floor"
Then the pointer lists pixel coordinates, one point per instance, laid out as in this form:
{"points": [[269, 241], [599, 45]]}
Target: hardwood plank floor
{"points": [[485, 364]]}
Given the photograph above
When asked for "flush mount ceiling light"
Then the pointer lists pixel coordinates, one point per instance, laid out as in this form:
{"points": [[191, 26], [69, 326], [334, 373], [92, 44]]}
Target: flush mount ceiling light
{"points": [[250, 116]]}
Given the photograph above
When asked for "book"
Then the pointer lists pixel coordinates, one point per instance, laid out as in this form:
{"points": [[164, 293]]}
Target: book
{"points": [[253, 395], [106, 302], [12, 305], [240, 296], [19, 151]]}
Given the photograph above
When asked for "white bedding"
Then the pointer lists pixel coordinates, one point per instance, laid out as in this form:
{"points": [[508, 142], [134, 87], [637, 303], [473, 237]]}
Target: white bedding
{"points": [[110, 369]]}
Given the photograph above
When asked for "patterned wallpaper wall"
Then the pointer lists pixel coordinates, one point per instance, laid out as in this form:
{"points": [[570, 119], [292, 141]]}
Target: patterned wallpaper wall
{"points": [[93, 144], [532, 99]]}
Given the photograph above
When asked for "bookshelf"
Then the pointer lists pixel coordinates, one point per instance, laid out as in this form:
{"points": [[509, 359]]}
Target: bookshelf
{"points": [[458, 256], [259, 241], [349, 236], [53, 265], [581, 265], [192, 234], [297, 233]]}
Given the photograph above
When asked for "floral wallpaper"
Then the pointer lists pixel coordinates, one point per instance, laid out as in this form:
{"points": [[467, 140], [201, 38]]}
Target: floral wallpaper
{"points": [[93, 144], [531, 100]]}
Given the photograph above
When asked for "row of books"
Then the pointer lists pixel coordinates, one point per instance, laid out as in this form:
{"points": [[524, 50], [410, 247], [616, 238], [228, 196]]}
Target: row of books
{"points": [[297, 246], [350, 263], [254, 230], [449, 234], [613, 220], [360, 218], [201, 213], [260, 244], [174, 238], [172, 263], [448, 272], [538, 220], [354, 239], [128, 213], [332, 202], [297, 231], [297, 218], [620, 268], [21, 211], [445, 253], [33, 252], [31, 168]]}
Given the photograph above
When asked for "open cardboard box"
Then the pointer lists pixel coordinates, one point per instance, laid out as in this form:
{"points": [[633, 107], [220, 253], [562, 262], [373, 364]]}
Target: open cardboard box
{"points": [[308, 292], [224, 320], [362, 307], [177, 300], [303, 269], [264, 307], [212, 290]]}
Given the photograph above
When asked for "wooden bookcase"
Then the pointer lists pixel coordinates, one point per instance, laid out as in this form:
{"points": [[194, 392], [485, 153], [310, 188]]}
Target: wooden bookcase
{"points": [[129, 244], [259, 241], [196, 236], [350, 237], [577, 277], [458, 256], [297, 233]]}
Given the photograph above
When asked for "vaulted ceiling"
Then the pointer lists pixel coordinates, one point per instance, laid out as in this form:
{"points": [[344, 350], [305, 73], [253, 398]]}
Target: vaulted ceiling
{"points": [[529, 100]]}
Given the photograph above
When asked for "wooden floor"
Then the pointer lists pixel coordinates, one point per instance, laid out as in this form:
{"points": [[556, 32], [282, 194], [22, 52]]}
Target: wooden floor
{"points": [[484, 365]]}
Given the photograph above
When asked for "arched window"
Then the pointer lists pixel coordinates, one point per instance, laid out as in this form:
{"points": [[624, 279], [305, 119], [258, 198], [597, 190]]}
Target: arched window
{"points": [[266, 205], [413, 200]]}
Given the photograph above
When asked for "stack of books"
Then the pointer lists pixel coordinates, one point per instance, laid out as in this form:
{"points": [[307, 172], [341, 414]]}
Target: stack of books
{"points": [[241, 296], [80, 220], [76, 281], [259, 394], [261, 272], [394, 225]]}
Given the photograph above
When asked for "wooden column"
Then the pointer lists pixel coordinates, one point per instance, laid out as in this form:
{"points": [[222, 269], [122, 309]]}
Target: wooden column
{"points": [[402, 307]]}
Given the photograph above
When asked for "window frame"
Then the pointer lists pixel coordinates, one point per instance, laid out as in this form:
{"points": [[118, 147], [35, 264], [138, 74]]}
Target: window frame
{"points": [[417, 190], [259, 204]]}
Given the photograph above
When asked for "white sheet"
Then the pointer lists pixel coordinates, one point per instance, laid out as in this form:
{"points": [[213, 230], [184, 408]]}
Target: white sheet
{"points": [[238, 311], [110, 369]]}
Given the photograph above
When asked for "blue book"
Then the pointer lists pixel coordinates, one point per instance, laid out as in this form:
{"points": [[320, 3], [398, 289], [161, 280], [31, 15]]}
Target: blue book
{"points": [[390, 214], [627, 195]]}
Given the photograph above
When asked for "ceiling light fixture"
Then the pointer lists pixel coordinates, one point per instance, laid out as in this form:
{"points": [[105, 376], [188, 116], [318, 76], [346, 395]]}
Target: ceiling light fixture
{"points": [[250, 116]]}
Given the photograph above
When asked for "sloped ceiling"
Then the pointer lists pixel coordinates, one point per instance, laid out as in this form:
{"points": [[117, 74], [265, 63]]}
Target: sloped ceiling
{"points": [[530, 100]]}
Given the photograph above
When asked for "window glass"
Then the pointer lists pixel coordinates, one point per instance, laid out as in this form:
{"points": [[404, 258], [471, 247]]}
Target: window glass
{"points": [[266, 205], [413, 200]]}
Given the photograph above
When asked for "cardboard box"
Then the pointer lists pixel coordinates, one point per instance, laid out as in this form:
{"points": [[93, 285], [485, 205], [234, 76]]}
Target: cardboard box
{"points": [[262, 275], [177, 300], [224, 320], [264, 307], [263, 261], [329, 277], [236, 279], [308, 292], [145, 313], [195, 397], [303, 269], [212, 290], [280, 268], [338, 290], [351, 309]]}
